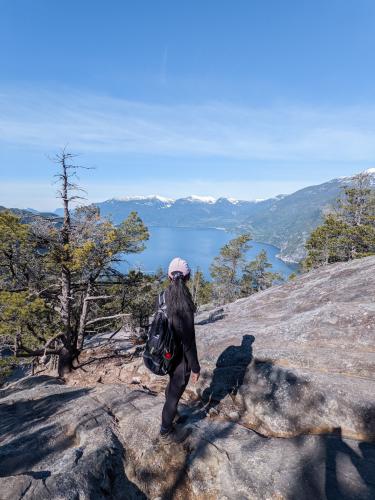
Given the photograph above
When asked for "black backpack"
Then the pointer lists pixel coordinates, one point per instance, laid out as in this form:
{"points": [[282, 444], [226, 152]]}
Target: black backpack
{"points": [[161, 348]]}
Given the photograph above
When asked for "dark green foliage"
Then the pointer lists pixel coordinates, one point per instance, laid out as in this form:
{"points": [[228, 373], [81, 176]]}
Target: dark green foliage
{"points": [[348, 232], [59, 282], [139, 295], [200, 288], [227, 268], [257, 275], [234, 277], [6, 366]]}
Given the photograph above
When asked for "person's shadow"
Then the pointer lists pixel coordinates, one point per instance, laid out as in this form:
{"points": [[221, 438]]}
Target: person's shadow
{"points": [[227, 378]]}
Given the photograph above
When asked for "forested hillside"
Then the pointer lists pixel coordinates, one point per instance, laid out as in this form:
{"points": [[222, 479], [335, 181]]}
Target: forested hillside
{"points": [[285, 221]]}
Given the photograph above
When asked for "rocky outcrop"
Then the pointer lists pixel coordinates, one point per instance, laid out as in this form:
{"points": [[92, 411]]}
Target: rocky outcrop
{"points": [[312, 365], [285, 408], [65, 443]]}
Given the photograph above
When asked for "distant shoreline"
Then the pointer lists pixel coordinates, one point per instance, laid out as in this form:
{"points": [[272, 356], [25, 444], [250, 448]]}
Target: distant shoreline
{"points": [[286, 261], [201, 244]]}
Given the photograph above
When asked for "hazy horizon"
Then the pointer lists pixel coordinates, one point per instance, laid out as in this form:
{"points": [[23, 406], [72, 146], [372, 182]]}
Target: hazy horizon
{"points": [[246, 100], [55, 206]]}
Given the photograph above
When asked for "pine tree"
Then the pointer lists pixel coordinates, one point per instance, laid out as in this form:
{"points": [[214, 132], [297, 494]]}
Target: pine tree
{"points": [[57, 279], [357, 205], [200, 288], [256, 275], [348, 232], [226, 269], [138, 295]]}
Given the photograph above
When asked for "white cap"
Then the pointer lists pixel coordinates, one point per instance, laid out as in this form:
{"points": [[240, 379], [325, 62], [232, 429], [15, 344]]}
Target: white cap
{"points": [[180, 265]]}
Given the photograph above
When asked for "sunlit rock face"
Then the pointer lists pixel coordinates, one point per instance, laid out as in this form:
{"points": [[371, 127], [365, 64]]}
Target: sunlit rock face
{"points": [[311, 347]]}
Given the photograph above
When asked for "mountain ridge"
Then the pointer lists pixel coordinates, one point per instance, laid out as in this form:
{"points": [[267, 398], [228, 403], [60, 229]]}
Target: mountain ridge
{"points": [[211, 199], [285, 220]]}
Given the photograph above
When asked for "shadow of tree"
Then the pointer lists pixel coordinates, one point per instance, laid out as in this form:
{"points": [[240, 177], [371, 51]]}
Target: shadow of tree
{"points": [[333, 468], [29, 383], [336, 468], [23, 427], [287, 399], [335, 471], [368, 423], [33, 437], [364, 463], [192, 455], [20, 454], [18, 416], [119, 485]]}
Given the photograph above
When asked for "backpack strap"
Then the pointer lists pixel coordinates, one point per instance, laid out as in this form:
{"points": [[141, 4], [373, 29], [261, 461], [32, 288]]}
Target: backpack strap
{"points": [[162, 304]]}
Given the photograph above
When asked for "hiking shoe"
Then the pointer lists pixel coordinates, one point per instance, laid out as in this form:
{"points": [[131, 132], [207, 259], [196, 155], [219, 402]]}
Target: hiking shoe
{"points": [[176, 417], [174, 435], [180, 418]]}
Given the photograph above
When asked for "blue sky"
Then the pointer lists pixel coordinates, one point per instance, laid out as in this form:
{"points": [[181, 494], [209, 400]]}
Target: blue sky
{"points": [[245, 98]]}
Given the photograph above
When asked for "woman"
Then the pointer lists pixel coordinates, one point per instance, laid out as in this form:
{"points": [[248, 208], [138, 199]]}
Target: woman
{"points": [[180, 311]]}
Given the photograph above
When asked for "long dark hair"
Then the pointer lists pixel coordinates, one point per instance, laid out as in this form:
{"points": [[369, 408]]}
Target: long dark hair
{"points": [[178, 298]]}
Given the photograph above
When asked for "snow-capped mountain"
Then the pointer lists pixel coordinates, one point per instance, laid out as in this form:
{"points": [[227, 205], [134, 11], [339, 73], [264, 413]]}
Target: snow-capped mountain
{"points": [[150, 197], [284, 220], [201, 199], [192, 211], [193, 198]]}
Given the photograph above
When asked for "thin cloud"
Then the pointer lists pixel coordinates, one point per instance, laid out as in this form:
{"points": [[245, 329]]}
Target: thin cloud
{"points": [[164, 67], [91, 123]]}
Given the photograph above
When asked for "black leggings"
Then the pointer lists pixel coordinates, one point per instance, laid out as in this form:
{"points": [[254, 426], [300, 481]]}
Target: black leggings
{"points": [[178, 380]]}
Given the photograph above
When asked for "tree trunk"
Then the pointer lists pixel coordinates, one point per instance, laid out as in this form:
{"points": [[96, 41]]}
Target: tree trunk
{"points": [[69, 351], [83, 317]]}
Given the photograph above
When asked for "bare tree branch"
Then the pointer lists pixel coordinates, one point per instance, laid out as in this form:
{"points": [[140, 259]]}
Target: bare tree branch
{"points": [[121, 315], [99, 297]]}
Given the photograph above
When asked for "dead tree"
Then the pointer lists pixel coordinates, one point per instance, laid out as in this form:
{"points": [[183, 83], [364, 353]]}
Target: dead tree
{"points": [[79, 290]]}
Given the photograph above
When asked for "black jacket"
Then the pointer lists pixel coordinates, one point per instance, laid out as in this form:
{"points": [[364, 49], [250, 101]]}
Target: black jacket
{"points": [[183, 326]]}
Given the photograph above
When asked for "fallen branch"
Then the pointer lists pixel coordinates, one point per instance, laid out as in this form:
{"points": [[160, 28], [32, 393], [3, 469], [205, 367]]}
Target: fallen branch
{"points": [[30, 353], [107, 317], [99, 297], [128, 357], [54, 285], [44, 351]]}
